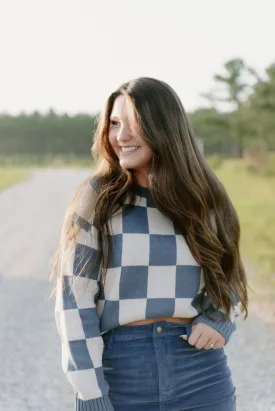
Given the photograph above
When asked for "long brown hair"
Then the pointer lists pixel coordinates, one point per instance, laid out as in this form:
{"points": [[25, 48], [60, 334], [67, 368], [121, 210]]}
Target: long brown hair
{"points": [[182, 185]]}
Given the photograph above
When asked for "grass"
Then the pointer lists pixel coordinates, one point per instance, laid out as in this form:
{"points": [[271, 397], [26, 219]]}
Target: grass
{"points": [[253, 196], [11, 175]]}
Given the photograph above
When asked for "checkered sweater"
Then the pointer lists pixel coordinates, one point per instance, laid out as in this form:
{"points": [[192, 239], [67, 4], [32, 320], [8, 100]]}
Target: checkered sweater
{"points": [[151, 274]]}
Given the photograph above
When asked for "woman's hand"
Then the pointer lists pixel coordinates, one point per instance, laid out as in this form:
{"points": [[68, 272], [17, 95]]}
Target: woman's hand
{"points": [[202, 336]]}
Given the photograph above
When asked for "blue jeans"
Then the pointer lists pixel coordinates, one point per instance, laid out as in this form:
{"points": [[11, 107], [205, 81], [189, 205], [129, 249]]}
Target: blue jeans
{"points": [[150, 368]]}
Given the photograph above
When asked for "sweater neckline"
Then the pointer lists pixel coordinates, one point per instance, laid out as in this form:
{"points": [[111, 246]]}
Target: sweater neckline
{"points": [[142, 191]]}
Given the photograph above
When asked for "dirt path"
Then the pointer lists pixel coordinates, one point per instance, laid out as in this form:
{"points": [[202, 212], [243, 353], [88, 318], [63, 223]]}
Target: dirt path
{"points": [[31, 376]]}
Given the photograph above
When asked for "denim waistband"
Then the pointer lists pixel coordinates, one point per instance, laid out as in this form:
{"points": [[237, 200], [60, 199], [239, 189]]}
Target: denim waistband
{"points": [[158, 329]]}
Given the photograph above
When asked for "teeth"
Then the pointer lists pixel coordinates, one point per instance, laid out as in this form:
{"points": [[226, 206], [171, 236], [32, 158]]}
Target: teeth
{"points": [[126, 149]]}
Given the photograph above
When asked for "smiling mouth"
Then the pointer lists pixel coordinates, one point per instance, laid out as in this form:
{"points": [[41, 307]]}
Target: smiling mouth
{"points": [[128, 149]]}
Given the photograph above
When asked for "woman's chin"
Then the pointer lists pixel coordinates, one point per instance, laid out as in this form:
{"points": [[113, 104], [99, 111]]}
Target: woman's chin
{"points": [[127, 164]]}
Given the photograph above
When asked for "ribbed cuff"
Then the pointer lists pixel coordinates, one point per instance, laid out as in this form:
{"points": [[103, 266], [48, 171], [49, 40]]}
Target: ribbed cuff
{"points": [[98, 404], [226, 328]]}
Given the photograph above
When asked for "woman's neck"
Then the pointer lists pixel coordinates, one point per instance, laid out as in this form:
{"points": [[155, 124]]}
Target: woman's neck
{"points": [[142, 179]]}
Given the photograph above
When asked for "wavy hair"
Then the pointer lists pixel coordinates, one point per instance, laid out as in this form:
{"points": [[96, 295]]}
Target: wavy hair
{"points": [[182, 185]]}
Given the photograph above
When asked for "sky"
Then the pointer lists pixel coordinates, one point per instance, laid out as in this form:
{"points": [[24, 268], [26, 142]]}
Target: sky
{"points": [[69, 55]]}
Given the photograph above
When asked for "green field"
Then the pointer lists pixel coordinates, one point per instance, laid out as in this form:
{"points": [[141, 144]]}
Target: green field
{"points": [[12, 175], [253, 195]]}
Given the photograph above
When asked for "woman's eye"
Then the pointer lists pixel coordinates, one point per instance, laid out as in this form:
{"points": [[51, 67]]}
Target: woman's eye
{"points": [[114, 123]]}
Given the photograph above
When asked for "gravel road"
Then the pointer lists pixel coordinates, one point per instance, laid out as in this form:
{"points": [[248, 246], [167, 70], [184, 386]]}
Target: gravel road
{"points": [[31, 376]]}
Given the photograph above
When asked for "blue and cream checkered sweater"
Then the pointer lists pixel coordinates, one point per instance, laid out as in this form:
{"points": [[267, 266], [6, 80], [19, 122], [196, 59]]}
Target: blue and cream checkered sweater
{"points": [[151, 274]]}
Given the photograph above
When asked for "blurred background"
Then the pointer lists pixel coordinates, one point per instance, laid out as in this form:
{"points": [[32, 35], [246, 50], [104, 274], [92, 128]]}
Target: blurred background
{"points": [[59, 62]]}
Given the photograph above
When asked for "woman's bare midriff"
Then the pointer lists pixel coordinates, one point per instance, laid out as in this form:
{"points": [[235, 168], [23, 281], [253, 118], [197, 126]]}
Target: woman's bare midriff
{"points": [[168, 319]]}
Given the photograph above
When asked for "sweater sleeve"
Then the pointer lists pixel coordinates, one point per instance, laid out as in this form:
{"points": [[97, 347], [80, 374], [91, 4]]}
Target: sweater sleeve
{"points": [[219, 323], [78, 322]]}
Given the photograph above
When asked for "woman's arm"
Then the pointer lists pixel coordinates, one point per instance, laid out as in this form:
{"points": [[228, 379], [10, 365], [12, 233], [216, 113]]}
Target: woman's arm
{"points": [[77, 319]]}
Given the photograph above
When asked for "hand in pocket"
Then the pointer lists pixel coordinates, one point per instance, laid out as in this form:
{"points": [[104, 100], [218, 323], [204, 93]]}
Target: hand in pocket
{"points": [[205, 337]]}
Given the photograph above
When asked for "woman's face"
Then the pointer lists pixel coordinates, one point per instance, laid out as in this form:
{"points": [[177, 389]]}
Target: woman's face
{"points": [[126, 139]]}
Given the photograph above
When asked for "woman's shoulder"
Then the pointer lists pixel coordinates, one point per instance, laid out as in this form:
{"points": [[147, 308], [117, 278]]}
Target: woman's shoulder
{"points": [[86, 197], [94, 184]]}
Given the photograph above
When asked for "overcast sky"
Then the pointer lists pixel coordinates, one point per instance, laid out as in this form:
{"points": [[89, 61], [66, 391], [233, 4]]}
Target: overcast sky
{"points": [[71, 54]]}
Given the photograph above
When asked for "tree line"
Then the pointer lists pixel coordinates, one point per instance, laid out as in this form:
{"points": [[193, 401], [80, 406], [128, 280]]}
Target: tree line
{"points": [[239, 116], [39, 134], [241, 112]]}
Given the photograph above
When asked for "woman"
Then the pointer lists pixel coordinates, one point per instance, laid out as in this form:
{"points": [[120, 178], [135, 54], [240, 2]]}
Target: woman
{"points": [[149, 274]]}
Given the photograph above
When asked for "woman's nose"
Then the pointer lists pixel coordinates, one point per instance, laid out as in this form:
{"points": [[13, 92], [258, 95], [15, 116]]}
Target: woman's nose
{"points": [[123, 135]]}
